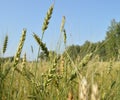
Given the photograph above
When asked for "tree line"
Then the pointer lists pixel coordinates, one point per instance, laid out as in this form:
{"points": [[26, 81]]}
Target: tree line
{"points": [[107, 49]]}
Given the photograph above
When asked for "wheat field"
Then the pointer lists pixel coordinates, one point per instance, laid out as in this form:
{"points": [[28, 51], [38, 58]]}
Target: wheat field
{"points": [[58, 77]]}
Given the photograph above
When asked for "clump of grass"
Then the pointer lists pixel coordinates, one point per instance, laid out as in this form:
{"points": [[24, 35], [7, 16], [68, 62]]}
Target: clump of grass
{"points": [[5, 44]]}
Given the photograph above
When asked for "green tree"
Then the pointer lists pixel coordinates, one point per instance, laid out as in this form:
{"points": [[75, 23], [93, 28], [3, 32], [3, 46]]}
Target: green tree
{"points": [[101, 51], [113, 40], [73, 51], [86, 48]]}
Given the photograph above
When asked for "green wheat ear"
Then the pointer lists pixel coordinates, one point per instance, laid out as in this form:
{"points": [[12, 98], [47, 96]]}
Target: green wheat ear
{"points": [[5, 44], [65, 36], [20, 46], [47, 18], [85, 60], [24, 60], [42, 45]]}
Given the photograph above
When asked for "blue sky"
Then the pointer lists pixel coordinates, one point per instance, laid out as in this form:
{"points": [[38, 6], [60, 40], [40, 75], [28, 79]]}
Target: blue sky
{"points": [[85, 20]]}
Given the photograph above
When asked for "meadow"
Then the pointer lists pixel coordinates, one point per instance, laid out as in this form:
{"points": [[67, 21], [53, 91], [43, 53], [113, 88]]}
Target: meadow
{"points": [[57, 77]]}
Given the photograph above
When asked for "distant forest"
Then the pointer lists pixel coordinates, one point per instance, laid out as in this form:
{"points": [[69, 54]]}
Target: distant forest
{"points": [[107, 49]]}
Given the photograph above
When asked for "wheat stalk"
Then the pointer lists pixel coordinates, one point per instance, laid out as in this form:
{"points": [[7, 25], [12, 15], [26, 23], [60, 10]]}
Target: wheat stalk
{"points": [[109, 68], [47, 18], [82, 64], [83, 90], [24, 61], [62, 29], [62, 64], [16, 59], [42, 45], [95, 93], [62, 24], [70, 95], [65, 36], [5, 44], [20, 46], [85, 60]]}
